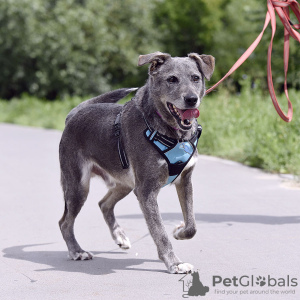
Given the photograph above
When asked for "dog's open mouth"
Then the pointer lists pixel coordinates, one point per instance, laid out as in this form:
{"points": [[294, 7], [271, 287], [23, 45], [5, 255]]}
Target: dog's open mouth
{"points": [[184, 117]]}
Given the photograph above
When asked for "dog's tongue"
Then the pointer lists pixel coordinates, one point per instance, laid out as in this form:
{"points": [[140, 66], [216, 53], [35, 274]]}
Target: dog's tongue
{"points": [[189, 113]]}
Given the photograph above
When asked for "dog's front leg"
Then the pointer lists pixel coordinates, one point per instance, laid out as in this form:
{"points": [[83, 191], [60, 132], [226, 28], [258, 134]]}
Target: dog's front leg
{"points": [[148, 202], [184, 189]]}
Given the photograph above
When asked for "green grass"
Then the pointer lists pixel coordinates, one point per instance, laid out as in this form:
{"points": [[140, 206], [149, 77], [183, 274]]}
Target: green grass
{"points": [[243, 128], [247, 129], [30, 111]]}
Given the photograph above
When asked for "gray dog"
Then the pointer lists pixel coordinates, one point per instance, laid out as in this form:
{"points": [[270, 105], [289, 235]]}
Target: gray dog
{"points": [[141, 146]]}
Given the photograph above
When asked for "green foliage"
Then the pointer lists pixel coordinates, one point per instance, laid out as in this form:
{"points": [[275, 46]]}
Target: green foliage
{"points": [[242, 22], [52, 49], [246, 128], [188, 26], [245, 19], [55, 48], [31, 111], [225, 29]]}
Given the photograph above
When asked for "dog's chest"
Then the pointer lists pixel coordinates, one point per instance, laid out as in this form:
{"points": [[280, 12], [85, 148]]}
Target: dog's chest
{"points": [[176, 154]]}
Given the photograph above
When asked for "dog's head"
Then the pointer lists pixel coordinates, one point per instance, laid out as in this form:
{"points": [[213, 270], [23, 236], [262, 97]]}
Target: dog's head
{"points": [[177, 85]]}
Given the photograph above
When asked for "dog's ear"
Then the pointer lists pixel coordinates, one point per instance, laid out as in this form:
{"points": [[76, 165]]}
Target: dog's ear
{"points": [[156, 59], [206, 63]]}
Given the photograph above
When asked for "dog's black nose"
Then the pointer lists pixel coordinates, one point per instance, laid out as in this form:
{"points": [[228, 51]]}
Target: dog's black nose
{"points": [[191, 100]]}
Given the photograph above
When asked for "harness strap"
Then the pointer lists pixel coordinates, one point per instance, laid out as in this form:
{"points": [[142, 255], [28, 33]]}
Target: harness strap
{"points": [[122, 154], [282, 9], [167, 141], [164, 145]]}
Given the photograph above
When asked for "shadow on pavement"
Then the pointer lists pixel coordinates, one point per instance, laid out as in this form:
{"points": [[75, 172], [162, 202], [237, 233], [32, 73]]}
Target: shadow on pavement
{"points": [[58, 261], [219, 218]]}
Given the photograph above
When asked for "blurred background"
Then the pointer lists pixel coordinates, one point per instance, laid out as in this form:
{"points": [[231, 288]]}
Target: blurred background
{"points": [[55, 54]]}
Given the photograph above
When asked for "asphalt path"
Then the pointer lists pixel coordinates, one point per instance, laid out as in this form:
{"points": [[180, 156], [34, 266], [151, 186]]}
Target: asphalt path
{"points": [[248, 226]]}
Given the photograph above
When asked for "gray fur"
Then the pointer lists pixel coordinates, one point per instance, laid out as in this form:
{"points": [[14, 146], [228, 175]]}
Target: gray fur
{"points": [[88, 147], [109, 97]]}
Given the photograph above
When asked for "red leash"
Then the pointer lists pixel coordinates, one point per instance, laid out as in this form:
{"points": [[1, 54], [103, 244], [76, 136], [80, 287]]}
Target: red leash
{"points": [[282, 9]]}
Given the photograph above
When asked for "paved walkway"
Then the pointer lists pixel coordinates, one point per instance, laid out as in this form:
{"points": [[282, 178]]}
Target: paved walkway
{"points": [[248, 226]]}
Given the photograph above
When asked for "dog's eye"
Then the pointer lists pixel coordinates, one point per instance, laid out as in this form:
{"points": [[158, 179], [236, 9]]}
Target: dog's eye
{"points": [[172, 79], [195, 78]]}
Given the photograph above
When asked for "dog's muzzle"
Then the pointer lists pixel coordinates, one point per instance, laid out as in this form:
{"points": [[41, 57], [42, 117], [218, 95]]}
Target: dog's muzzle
{"points": [[184, 117]]}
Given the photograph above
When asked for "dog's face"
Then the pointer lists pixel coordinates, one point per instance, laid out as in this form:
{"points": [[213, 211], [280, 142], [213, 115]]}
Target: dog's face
{"points": [[177, 85]]}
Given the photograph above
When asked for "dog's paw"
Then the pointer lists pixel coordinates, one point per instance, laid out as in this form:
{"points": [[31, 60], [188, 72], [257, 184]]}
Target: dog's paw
{"points": [[177, 230], [84, 255], [182, 268], [123, 242], [121, 239]]}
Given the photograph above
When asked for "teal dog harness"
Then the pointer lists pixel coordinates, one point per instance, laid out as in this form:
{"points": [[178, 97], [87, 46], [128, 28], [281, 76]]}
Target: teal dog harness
{"points": [[177, 153]]}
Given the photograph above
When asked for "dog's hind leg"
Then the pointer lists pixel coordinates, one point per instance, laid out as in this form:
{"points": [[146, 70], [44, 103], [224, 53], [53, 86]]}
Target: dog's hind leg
{"points": [[107, 204], [75, 186]]}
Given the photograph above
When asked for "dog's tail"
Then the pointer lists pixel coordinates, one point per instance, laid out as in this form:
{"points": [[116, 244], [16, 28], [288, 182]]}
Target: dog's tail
{"points": [[109, 97]]}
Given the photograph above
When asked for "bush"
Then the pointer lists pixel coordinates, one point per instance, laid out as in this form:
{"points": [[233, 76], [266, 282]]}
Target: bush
{"points": [[246, 128], [225, 29], [55, 48]]}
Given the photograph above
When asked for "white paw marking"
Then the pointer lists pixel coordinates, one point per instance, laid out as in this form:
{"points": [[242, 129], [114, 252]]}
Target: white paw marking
{"points": [[183, 268], [81, 255], [123, 242], [177, 230]]}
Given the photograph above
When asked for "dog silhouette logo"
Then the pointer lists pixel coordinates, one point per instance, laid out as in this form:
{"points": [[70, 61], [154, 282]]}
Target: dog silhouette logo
{"points": [[194, 286]]}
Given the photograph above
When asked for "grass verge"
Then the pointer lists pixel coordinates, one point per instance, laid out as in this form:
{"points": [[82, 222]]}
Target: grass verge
{"points": [[247, 129]]}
